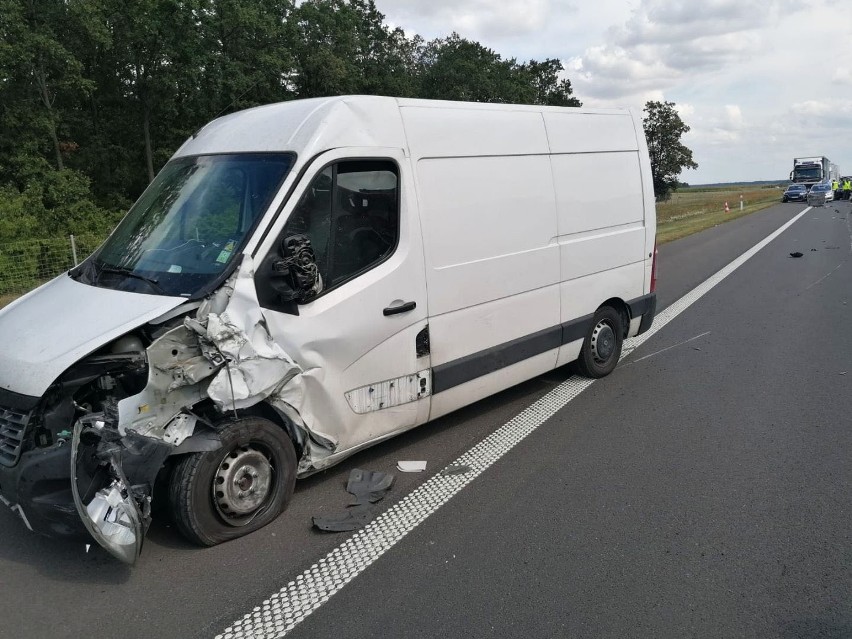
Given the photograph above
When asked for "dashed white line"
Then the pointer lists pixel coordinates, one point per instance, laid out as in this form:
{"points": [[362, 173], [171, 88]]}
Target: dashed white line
{"points": [[288, 607]]}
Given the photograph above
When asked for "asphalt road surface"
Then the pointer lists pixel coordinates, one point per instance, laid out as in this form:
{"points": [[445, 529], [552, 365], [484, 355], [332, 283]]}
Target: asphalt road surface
{"points": [[701, 490]]}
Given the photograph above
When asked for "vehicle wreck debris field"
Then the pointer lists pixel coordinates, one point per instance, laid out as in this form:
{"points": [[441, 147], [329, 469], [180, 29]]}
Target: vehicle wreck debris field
{"points": [[305, 279]]}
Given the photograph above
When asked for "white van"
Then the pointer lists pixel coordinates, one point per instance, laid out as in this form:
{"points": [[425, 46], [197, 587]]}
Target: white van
{"points": [[305, 279]]}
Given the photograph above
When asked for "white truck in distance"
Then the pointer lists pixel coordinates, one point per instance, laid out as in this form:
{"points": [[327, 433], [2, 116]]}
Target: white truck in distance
{"points": [[813, 170]]}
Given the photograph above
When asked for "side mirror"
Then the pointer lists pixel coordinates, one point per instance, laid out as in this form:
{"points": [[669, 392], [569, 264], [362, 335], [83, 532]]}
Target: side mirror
{"points": [[294, 275]]}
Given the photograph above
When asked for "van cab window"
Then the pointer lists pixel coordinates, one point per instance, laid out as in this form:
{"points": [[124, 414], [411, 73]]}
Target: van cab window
{"points": [[189, 224], [350, 213]]}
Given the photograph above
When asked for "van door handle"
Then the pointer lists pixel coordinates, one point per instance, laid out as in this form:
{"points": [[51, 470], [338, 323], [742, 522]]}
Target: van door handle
{"points": [[402, 308]]}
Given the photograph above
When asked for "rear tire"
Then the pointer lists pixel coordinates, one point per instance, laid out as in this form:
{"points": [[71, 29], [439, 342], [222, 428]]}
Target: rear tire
{"points": [[220, 495], [602, 346]]}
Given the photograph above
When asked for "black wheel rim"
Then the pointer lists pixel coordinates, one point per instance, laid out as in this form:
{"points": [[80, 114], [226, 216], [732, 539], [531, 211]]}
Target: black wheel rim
{"points": [[603, 342], [244, 483]]}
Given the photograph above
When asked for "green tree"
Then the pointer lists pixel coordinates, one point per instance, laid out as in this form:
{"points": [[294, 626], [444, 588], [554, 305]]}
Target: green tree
{"points": [[454, 68], [40, 78], [96, 95], [344, 47], [548, 87], [669, 156], [248, 55]]}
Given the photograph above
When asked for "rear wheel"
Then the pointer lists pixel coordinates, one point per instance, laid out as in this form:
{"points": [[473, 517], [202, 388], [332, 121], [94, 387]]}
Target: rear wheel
{"points": [[223, 494], [602, 346]]}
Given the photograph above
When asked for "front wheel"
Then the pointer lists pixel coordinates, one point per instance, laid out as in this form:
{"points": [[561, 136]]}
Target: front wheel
{"points": [[223, 494], [602, 346]]}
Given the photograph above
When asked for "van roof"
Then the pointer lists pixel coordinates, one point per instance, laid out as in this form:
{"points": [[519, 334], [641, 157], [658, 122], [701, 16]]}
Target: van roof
{"points": [[310, 126]]}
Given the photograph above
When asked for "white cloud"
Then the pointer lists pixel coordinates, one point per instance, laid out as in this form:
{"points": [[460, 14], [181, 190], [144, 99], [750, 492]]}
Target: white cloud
{"points": [[734, 115], [842, 75], [684, 109]]}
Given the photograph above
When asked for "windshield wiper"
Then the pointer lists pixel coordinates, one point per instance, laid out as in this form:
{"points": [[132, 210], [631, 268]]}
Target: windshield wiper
{"points": [[128, 273]]}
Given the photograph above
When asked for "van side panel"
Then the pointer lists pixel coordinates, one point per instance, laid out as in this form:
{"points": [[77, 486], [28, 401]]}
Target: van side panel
{"points": [[466, 132], [597, 191], [600, 212], [488, 213], [578, 132], [489, 226]]}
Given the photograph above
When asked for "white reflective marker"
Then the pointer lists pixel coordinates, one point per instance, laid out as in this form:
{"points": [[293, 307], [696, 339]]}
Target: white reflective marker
{"points": [[289, 606]]}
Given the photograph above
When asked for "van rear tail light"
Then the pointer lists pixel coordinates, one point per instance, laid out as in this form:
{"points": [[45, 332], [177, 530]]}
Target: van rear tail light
{"points": [[654, 270]]}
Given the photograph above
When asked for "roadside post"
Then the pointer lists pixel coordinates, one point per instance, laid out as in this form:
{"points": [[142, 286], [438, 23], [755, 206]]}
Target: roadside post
{"points": [[741, 201]]}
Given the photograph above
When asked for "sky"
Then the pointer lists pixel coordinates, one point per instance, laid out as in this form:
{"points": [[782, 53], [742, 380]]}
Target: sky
{"points": [[759, 82]]}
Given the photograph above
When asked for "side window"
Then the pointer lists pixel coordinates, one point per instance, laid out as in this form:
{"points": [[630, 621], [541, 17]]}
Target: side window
{"points": [[350, 212]]}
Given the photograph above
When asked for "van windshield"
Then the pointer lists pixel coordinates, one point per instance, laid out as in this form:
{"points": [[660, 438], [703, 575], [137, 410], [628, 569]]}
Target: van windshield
{"points": [[189, 225]]}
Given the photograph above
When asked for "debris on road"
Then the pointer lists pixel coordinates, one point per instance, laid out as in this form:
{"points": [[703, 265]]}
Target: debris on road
{"points": [[796, 254], [456, 469], [411, 466], [368, 487], [352, 518]]}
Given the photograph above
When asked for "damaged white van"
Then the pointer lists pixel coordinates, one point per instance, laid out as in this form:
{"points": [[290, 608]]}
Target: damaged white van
{"points": [[305, 279]]}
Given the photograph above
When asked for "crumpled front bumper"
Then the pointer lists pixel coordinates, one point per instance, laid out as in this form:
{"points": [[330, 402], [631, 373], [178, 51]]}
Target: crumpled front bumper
{"points": [[38, 490]]}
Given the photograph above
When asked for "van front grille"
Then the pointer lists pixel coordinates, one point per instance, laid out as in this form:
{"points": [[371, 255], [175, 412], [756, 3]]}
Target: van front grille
{"points": [[13, 425]]}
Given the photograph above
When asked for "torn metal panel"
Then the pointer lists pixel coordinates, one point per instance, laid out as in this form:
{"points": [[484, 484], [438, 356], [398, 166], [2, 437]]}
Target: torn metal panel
{"points": [[253, 365], [391, 392], [176, 368]]}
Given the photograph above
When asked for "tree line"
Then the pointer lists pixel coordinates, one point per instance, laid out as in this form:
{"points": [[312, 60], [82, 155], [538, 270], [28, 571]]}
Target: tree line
{"points": [[95, 95]]}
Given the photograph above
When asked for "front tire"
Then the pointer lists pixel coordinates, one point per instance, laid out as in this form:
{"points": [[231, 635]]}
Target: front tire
{"points": [[602, 346], [220, 495]]}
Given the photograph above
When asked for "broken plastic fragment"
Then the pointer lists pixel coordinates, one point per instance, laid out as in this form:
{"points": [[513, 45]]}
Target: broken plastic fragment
{"points": [[352, 518], [253, 366], [368, 486], [411, 466]]}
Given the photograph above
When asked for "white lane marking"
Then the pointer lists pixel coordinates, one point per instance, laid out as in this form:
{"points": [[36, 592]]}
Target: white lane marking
{"points": [[288, 607], [668, 348]]}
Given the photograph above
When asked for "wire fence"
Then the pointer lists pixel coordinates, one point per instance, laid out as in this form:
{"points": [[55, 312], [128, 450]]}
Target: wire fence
{"points": [[27, 264]]}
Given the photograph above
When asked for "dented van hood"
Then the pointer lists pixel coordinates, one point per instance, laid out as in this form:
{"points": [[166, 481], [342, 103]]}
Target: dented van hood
{"points": [[51, 328]]}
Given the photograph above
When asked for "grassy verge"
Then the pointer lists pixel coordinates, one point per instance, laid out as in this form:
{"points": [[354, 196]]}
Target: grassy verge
{"points": [[692, 210], [6, 299]]}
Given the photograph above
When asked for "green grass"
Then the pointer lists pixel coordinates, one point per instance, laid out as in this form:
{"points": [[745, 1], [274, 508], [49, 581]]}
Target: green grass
{"points": [[692, 210]]}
